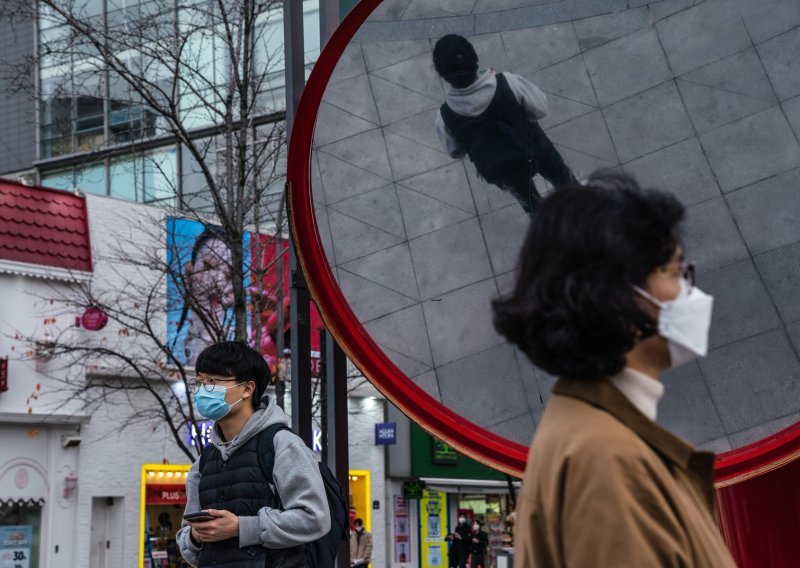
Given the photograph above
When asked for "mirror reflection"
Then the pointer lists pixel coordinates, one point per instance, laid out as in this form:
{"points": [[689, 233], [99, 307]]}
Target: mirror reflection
{"points": [[445, 123]]}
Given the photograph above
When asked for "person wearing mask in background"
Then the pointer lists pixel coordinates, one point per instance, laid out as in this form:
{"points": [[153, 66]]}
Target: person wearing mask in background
{"points": [[360, 546], [493, 118], [478, 544], [459, 552], [605, 301], [246, 526]]}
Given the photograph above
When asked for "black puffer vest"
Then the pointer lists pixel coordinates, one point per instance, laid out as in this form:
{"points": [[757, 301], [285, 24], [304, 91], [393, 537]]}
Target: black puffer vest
{"points": [[239, 485]]}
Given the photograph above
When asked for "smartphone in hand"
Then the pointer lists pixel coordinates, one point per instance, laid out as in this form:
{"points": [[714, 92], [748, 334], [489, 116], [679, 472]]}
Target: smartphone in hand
{"points": [[199, 516]]}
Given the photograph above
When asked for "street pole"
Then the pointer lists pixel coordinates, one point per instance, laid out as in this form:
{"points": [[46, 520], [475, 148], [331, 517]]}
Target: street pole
{"points": [[299, 298], [337, 447]]}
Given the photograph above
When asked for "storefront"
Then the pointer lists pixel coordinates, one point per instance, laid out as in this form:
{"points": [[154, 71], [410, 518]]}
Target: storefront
{"points": [[163, 503], [360, 497], [453, 485]]}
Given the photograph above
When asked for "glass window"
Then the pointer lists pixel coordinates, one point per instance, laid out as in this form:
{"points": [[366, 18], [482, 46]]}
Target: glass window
{"points": [[64, 179], [91, 179], [124, 183], [160, 181], [20, 533]]}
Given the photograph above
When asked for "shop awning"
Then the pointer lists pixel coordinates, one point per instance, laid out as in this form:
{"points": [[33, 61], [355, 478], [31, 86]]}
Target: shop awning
{"points": [[12, 502], [474, 486]]}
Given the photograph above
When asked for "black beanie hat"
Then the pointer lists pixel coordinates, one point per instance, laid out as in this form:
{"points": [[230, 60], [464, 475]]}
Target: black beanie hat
{"points": [[455, 60]]}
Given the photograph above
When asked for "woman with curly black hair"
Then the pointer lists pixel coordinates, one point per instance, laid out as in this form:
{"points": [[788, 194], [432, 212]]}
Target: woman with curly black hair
{"points": [[605, 301]]}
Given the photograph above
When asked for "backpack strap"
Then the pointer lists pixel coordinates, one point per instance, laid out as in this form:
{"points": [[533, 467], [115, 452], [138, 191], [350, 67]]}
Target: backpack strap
{"points": [[266, 454]]}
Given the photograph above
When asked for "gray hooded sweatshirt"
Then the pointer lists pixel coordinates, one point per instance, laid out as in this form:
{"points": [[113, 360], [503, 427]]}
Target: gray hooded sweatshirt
{"points": [[473, 100], [305, 516]]}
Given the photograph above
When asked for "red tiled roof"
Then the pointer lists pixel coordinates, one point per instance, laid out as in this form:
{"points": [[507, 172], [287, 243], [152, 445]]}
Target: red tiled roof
{"points": [[44, 226]]}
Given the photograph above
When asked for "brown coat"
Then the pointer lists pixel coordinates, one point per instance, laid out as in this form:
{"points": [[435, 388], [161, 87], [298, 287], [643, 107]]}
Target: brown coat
{"points": [[605, 487], [361, 547]]}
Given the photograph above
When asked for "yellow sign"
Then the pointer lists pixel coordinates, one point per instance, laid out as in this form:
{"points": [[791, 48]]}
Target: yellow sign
{"points": [[433, 529]]}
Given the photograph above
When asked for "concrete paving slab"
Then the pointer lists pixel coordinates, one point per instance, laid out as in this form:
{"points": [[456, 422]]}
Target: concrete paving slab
{"points": [[742, 307], [448, 184], [780, 269], [504, 231], [416, 74], [409, 158], [351, 64], [460, 322], [355, 97], [423, 214], [354, 238], [687, 408], [533, 49], [450, 258], [379, 54], [336, 124], [567, 79], [473, 384], [366, 151], [702, 34], [596, 31], [766, 19], [644, 67], [680, 169], [341, 180], [766, 212], [711, 238], [390, 268], [587, 134], [736, 373], [648, 122], [750, 149], [404, 333], [374, 300], [378, 207], [518, 429], [792, 110], [395, 102], [781, 58], [561, 110]]}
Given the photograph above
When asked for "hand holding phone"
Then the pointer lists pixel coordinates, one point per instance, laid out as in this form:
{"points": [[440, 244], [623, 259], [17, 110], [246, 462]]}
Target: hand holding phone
{"points": [[198, 517]]}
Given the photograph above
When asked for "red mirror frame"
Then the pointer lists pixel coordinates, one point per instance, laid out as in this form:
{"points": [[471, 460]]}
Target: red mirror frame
{"points": [[734, 467]]}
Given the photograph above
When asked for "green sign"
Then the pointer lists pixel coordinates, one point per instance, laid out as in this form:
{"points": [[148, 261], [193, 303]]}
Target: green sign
{"points": [[442, 454]]}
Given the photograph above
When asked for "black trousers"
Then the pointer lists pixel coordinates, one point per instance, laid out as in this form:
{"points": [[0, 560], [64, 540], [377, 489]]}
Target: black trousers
{"points": [[547, 162]]}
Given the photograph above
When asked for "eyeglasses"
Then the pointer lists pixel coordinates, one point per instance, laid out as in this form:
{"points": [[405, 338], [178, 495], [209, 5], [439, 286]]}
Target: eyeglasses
{"points": [[207, 384], [686, 271]]}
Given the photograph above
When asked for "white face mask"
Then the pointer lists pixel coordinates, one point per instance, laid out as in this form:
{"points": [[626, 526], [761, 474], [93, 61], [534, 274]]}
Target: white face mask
{"points": [[684, 322], [476, 527]]}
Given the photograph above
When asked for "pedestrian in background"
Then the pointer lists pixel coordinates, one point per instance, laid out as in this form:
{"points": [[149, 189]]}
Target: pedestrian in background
{"points": [[459, 551], [478, 545], [493, 118], [360, 546], [605, 301]]}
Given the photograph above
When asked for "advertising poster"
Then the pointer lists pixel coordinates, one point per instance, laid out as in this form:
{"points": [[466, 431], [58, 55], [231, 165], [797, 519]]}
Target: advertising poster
{"points": [[402, 531], [15, 546], [200, 263], [433, 528]]}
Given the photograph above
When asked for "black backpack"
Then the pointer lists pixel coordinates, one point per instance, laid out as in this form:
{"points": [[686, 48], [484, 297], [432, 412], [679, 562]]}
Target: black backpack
{"points": [[322, 552], [499, 140]]}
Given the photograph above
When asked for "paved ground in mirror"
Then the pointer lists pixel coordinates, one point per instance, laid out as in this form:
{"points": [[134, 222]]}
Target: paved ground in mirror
{"points": [[699, 98]]}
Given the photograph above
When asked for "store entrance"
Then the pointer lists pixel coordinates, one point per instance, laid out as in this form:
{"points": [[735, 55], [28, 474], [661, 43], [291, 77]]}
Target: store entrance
{"points": [[164, 488], [493, 511]]}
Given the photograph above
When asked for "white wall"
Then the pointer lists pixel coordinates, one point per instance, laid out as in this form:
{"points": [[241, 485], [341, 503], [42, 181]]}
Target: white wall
{"points": [[364, 413]]}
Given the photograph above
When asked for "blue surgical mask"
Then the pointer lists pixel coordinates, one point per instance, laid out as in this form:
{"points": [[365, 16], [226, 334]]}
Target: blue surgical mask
{"points": [[211, 404]]}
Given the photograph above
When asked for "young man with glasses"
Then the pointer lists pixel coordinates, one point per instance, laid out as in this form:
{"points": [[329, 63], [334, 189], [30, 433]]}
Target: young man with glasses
{"points": [[251, 520]]}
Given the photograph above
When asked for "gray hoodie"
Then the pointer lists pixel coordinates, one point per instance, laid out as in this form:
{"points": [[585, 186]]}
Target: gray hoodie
{"points": [[305, 516], [473, 100]]}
